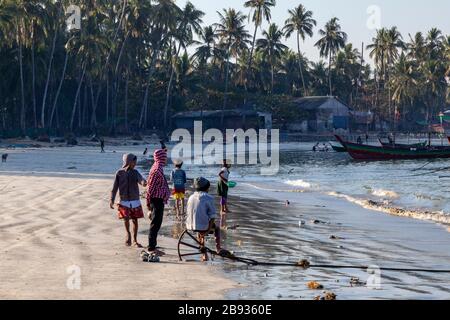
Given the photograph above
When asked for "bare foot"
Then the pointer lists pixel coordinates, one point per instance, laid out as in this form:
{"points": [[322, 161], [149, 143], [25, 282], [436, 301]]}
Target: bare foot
{"points": [[137, 245], [128, 242]]}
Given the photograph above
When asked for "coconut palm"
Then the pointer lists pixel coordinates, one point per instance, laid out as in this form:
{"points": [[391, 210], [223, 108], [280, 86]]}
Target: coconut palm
{"points": [[333, 39], [272, 48], [234, 37], [259, 11], [189, 23], [301, 22]]}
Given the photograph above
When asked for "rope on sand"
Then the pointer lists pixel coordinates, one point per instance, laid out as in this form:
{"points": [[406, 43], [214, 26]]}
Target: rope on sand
{"points": [[305, 264]]}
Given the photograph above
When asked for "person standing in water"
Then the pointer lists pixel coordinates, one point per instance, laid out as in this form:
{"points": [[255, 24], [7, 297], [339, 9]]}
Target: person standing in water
{"points": [[222, 191], [178, 178], [102, 145], [127, 184], [157, 196]]}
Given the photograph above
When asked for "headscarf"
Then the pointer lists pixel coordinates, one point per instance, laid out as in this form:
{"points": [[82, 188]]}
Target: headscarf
{"points": [[157, 183]]}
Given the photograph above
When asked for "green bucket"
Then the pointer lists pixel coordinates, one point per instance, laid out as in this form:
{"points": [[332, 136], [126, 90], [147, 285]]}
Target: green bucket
{"points": [[232, 184]]}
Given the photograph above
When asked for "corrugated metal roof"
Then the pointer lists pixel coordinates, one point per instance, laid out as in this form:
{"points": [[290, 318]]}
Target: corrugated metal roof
{"points": [[215, 113], [315, 102]]}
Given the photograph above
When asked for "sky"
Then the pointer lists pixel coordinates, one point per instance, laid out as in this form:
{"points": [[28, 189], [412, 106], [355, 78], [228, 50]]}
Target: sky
{"points": [[358, 18]]}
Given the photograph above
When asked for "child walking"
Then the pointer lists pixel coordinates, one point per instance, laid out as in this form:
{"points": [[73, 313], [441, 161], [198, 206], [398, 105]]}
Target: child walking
{"points": [[178, 178], [222, 191], [201, 214], [157, 196], [127, 184]]}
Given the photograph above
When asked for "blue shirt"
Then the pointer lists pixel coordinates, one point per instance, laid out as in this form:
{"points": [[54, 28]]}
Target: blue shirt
{"points": [[178, 178]]}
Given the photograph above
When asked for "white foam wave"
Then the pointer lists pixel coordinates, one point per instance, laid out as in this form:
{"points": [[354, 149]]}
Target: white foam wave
{"points": [[385, 193], [299, 183], [435, 216]]}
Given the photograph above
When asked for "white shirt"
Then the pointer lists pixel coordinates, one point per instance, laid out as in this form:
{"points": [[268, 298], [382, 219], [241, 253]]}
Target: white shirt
{"points": [[131, 204], [225, 172]]}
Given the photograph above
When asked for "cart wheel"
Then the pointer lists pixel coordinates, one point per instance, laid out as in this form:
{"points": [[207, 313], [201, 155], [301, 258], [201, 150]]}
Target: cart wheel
{"points": [[188, 245]]}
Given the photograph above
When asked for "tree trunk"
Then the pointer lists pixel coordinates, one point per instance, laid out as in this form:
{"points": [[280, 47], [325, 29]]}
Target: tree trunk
{"points": [[107, 98], [74, 108], [55, 103], [169, 88], [143, 117], [300, 64], [44, 98], [126, 100], [33, 77], [116, 85], [250, 62], [329, 75], [22, 87], [225, 96], [272, 74]]}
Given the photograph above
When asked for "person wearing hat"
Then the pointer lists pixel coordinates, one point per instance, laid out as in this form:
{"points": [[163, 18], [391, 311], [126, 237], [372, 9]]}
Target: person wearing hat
{"points": [[178, 178], [127, 183], [201, 213]]}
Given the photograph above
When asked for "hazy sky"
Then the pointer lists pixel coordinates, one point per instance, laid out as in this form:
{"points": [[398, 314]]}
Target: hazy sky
{"points": [[409, 16]]}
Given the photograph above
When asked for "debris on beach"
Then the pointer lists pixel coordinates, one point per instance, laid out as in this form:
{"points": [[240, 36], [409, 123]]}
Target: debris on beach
{"points": [[314, 285], [304, 264], [317, 221], [301, 223], [328, 296], [71, 168], [355, 282], [287, 203], [333, 237], [233, 227], [239, 243]]}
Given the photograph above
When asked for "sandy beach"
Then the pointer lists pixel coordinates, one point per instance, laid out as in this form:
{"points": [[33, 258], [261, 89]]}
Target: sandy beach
{"points": [[56, 222]]}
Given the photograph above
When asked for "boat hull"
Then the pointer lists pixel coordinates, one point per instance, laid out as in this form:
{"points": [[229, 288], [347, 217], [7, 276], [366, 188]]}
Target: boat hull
{"points": [[367, 152]]}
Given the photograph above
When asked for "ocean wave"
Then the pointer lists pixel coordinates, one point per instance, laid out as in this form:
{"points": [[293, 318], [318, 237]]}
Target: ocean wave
{"points": [[435, 216], [299, 183], [381, 193]]}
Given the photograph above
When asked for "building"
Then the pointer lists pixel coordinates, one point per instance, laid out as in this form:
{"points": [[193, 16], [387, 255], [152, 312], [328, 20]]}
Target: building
{"points": [[232, 119], [324, 114]]}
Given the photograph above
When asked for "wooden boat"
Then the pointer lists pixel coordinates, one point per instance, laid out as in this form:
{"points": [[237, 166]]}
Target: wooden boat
{"points": [[402, 145], [368, 152]]}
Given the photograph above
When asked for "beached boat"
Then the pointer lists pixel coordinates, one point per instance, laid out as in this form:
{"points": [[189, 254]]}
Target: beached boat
{"points": [[369, 152]]}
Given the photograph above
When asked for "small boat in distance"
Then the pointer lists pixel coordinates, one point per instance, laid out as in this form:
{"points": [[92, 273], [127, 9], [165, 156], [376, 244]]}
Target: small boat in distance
{"points": [[368, 152]]}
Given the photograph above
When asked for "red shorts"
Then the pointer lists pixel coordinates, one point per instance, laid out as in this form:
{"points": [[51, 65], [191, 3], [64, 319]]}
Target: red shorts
{"points": [[130, 213]]}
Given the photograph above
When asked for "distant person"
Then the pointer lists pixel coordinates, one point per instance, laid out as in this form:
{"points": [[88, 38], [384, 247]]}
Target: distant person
{"points": [[127, 183], [201, 214], [102, 145], [157, 196], [367, 138], [316, 146], [178, 179], [4, 157], [359, 140], [222, 190], [145, 152]]}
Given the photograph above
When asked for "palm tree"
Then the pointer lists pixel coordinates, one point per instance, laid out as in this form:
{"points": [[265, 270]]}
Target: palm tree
{"points": [[231, 30], [300, 21], [189, 23], [403, 83], [261, 11], [333, 39], [272, 48]]}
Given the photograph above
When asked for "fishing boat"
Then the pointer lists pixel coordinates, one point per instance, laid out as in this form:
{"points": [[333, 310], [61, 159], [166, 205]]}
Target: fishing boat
{"points": [[402, 145], [369, 152]]}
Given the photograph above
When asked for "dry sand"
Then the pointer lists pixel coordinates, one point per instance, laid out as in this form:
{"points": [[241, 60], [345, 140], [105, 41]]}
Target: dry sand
{"points": [[51, 227]]}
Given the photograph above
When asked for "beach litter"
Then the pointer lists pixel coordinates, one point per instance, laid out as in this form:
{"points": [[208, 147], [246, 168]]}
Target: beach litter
{"points": [[355, 282], [149, 257], [314, 285], [328, 296]]}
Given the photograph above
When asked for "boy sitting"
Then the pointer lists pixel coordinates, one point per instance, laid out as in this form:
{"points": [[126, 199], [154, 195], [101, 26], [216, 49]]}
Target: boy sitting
{"points": [[201, 214]]}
